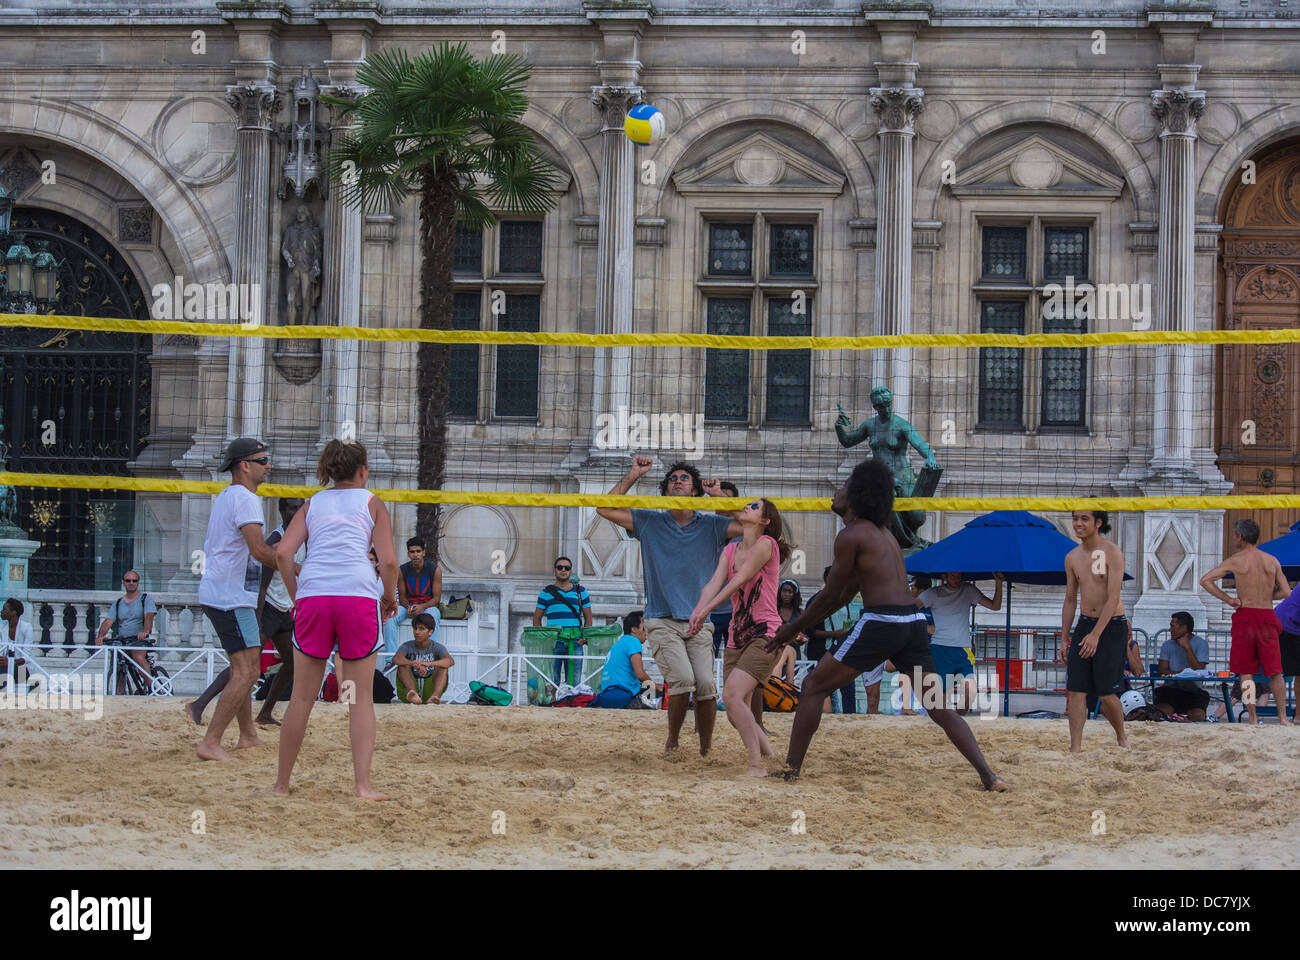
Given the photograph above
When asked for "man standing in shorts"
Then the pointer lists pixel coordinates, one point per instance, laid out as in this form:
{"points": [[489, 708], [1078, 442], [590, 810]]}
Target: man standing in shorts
{"points": [[1255, 627], [868, 560], [229, 586], [679, 551], [1094, 653]]}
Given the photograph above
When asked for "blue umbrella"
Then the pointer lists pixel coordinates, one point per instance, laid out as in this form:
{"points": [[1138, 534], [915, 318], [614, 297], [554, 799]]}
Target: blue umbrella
{"points": [[1287, 549], [1023, 547]]}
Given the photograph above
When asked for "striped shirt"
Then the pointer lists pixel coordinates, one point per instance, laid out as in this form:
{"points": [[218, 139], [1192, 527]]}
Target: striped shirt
{"points": [[557, 612]]}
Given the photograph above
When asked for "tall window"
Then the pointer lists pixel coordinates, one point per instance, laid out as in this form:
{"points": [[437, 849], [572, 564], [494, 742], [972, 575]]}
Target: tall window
{"points": [[759, 279], [498, 280], [1018, 262]]}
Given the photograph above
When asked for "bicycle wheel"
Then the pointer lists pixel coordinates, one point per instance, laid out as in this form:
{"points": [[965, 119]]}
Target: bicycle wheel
{"points": [[161, 686]]}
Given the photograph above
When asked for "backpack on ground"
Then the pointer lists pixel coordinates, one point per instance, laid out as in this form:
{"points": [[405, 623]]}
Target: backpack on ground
{"points": [[779, 696], [487, 695]]}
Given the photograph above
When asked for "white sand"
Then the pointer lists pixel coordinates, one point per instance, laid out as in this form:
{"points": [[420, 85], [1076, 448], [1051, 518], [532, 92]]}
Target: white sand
{"points": [[591, 788]]}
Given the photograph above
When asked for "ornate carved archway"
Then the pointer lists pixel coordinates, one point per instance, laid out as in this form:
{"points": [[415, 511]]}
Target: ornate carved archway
{"points": [[77, 402], [1259, 384]]}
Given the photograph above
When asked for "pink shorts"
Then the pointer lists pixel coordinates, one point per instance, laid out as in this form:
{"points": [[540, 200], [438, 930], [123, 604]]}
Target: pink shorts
{"points": [[351, 622]]}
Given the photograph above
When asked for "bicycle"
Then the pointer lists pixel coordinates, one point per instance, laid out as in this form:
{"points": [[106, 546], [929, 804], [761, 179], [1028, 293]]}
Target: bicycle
{"points": [[133, 680]]}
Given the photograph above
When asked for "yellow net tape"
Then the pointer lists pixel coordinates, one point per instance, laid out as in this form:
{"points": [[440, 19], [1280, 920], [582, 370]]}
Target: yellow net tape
{"points": [[517, 499], [590, 340]]}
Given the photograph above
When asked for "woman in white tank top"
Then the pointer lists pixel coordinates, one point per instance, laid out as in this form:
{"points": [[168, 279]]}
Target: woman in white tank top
{"points": [[337, 603]]}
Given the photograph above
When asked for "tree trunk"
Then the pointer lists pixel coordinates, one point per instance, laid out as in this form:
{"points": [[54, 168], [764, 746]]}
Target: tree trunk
{"points": [[437, 245]]}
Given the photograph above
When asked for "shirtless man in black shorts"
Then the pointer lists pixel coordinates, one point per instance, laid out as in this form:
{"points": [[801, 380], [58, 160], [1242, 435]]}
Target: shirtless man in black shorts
{"points": [[1095, 650], [868, 560]]}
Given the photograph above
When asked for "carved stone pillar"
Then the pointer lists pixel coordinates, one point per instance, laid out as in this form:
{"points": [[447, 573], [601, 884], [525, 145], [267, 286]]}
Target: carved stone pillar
{"points": [[615, 244], [897, 108], [256, 106], [1175, 294]]}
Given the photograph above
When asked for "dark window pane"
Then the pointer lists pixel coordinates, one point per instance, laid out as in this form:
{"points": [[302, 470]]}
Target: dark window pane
{"points": [[462, 372], [1064, 373], [1004, 253], [468, 256], [726, 372], [1001, 396], [521, 246], [789, 372], [517, 366], [1065, 253], [791, 250], [731, 249]]}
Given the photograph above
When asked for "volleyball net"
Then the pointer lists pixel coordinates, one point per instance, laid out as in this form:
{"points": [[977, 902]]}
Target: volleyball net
{"points": [[103, 417]]}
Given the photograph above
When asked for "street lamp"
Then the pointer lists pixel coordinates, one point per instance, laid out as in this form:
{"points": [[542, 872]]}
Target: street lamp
{"points": [[30, 279]]}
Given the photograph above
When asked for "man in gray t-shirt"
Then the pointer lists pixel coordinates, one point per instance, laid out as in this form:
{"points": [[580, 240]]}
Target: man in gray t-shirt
{"points": [[1181, 651], [130, 617], [679, 552]]}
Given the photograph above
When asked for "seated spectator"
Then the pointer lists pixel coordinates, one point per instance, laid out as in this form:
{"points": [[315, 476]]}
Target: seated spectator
{"points": [[566, 605], [423, 666], [130, 617], [15, 637], [624, 674], [784, 667], [1183, 650]]}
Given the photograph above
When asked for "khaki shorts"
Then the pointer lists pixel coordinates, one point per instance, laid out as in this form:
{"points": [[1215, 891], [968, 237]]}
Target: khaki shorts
{"points": [[686, 662], [753, 660]]}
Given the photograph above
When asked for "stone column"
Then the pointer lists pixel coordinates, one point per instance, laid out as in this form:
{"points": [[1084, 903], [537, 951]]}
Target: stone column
{"points": [[256, 106], [897, 108], [343, 357], [1175, 295], [615, 245]]}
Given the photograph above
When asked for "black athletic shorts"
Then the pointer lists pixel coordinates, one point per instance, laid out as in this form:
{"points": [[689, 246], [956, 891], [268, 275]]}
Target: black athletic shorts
{"points": [[1290, 644], [888, 633], [1102, 674], [275, 621], [1181, 699]]}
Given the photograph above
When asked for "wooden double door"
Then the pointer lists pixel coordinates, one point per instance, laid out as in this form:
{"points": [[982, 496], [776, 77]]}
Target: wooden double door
{"points": [[1258, 403]]}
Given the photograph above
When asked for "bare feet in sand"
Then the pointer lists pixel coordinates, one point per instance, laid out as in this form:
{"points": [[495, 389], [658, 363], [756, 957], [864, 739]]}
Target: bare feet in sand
{"points": [[266, 721], [413, 697], [194, 715], [242, 744], [208, 752], [995, 785], [369, 793], [756, 772]]}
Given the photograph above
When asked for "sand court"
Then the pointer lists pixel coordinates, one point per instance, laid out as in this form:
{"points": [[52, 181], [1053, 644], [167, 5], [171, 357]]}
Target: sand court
{"points": [[521, 787]]}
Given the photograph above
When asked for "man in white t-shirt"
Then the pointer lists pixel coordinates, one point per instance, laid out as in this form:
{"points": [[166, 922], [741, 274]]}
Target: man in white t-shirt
{"points": [[229, 586], [951, 602]]}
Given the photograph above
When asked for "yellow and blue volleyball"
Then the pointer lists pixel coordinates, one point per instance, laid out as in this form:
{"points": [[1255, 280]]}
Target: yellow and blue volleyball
{"points": [[644, 124]]}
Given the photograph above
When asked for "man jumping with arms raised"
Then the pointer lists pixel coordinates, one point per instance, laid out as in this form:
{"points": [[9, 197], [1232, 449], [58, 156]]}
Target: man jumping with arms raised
{"points": [[868, 560], [1255, 627]]}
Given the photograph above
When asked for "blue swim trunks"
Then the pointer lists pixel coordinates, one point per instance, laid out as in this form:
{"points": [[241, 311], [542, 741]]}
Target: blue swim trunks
{"points": [[952, 660]]}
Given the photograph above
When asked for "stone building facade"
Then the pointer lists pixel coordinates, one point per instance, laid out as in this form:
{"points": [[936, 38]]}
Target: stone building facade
{"points": [[911, 144]]}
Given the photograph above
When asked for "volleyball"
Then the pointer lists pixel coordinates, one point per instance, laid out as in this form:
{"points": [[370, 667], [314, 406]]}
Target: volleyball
{"points": [[644, 124]]}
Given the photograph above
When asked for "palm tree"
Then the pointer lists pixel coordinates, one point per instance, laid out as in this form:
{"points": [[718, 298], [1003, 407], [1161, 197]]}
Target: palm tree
{"points": [[445, 126]]}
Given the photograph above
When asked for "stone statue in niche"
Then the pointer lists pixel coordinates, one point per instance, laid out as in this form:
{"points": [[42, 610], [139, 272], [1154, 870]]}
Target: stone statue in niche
{"points": [[301, 251]]}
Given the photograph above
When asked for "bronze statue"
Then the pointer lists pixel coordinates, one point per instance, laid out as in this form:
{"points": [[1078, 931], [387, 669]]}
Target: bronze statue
{"points": [[889, 436], [9, 529]]}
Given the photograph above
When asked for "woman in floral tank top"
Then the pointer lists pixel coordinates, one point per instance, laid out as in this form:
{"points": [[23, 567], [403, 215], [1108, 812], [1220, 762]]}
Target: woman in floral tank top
{"points": [[748, 572]]}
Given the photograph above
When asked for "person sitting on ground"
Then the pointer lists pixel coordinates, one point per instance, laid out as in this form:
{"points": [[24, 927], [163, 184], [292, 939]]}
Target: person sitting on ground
{"points": [[1183, 650], [15, 637], [624, 675], [423, 666]]}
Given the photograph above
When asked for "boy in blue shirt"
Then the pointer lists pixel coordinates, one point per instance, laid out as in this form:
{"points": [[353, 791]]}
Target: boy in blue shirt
{"points": [[624, 674]]}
